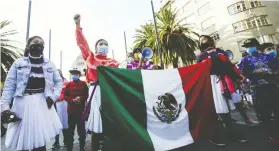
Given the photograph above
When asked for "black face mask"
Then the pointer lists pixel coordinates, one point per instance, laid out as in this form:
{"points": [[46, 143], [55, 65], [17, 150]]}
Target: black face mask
{"points": [[36, 48], [204, 46]]}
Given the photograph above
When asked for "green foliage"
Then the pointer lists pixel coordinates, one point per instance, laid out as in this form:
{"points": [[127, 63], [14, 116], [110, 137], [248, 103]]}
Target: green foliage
{"points": [[9, 52], [176, 39]]}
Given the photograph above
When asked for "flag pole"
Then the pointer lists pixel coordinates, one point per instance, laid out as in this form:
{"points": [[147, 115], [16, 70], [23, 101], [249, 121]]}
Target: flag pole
{"points": [[157, 36], [125, 45], [49, 51], [28, 19], [112, 53]]}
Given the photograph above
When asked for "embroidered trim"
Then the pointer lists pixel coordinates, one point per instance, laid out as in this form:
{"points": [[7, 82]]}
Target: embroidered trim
{"points": [[37, 65], [107, 63], [35, 75], [35, 57]]}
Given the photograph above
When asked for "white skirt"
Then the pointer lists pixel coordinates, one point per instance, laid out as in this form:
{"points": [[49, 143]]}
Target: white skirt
{"points": [[236, 98], [219, 100], [38, 125], [94, 123], [61, 109]]}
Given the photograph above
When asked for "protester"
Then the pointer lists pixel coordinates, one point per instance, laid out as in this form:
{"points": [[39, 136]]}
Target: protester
{"points": [[61, 109], [222, 72], [260, 68], [139, 62], [76, 94], [269, 48], [35, 84], [94, 123]]}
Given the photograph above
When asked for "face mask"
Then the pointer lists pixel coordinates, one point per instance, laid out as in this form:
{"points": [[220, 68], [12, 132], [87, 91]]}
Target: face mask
{"points": [[252, 50], [204, 46], [272, 52], [102, 50], [75, 77], [36, 48]]}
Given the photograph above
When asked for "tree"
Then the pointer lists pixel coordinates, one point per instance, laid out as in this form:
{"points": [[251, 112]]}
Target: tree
{"points": [[176, 38], [9, 52]]}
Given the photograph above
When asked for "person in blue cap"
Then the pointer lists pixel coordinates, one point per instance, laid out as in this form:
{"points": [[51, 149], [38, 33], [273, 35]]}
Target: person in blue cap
{"points": [[261, 69]]}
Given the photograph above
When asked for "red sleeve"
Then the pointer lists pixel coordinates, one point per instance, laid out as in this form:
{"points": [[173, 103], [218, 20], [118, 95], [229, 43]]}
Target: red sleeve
{"points": [[226, 59], [62, 95], [67, 97], [236, 70], [114, 63], [82, 43]]}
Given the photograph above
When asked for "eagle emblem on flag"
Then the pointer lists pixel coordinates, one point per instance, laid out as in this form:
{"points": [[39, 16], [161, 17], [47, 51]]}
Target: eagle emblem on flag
{"points": [[167, 109]]}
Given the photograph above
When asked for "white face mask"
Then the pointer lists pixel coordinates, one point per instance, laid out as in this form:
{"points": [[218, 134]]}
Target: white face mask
{"points": [[102, 50]]}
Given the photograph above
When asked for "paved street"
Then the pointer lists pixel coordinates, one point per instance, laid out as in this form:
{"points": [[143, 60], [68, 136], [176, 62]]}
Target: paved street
{"points": [[254, 135]]}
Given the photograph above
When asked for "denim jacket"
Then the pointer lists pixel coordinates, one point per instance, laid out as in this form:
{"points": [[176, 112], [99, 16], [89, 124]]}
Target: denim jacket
{"points": [[17, 80]]}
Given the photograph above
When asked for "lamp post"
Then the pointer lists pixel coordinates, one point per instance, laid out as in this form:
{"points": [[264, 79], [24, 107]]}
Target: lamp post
{"points": [[125, 45], [49, 51], [157, 36], [28, 19]]}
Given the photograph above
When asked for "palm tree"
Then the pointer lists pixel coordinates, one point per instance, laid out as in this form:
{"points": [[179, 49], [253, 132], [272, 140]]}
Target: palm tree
{"points": [[176, 38], [9, 52]]}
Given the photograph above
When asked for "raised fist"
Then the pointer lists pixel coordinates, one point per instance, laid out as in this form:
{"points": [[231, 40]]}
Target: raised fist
{"points": [[77, 19]]}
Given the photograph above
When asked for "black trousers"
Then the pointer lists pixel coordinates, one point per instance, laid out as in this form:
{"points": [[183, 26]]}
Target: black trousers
{"points": [[97, 141], [266, 103], [242, 111], [65, 137], [226, 130], [73, 121]]}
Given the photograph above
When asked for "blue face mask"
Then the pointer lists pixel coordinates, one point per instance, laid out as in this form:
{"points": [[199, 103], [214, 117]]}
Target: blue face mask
{"points": [[272, 52], [102, 50], [252, 50], [75, 77]]}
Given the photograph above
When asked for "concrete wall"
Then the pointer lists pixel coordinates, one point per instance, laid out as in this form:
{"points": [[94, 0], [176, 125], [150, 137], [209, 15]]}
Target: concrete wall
{"points": [[223, 21]]}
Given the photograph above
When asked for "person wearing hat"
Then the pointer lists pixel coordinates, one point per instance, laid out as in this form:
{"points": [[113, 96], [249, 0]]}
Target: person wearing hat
{"points": [[76, 94], [261, 68], [269, 48], [139, 62]]}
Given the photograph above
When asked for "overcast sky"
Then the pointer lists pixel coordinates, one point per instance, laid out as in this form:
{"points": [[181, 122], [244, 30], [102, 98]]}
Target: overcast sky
{"points": [[100, 19]]}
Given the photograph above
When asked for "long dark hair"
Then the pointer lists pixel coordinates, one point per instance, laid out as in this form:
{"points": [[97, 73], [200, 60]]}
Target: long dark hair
{"points": [[98, 42], [26, 51], [209, 40]]}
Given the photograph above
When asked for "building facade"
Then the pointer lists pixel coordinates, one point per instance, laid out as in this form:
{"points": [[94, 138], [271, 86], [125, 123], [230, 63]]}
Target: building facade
{"points": [[230, 22]]}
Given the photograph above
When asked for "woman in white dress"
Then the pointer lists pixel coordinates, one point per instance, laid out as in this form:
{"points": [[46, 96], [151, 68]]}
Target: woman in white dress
{"points": [[222, 73], [34, 83], [61, 109]]}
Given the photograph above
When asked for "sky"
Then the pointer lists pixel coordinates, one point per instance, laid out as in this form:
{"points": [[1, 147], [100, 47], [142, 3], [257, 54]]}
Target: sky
{"points": [[106, 19]]}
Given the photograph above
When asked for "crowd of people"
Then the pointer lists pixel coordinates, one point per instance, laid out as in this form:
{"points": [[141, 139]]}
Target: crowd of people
{"points": [[39, 103]]}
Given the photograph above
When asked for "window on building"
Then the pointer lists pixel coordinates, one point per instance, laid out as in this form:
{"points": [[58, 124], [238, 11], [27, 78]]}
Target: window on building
{"points": [[190, 18], [208, 22], [251, 23], [254, 4], [237, 7], [242, 6], [204, 9], [187, 4], [215, 36]]}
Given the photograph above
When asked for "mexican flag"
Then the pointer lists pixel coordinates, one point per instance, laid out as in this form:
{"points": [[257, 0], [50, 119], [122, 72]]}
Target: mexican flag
{"points": [[145, 110]]}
